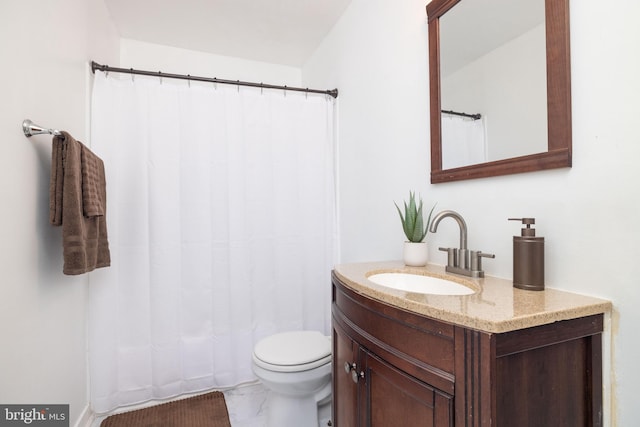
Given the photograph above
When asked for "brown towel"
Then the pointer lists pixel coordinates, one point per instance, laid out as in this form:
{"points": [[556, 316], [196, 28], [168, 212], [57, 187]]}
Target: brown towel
{"points": [[55, 185], [93, 183], [78, 202]]}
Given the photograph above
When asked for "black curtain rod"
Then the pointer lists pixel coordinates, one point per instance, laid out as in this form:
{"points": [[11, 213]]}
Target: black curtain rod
{"points": [[471, 116], [95, 66]]}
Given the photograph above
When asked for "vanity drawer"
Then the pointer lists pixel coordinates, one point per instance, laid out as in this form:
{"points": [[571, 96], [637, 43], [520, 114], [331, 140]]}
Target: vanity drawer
{"points": [[422, 347]]}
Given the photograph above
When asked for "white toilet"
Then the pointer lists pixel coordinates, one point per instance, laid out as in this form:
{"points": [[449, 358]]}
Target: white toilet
{"points": [[295, 368]]}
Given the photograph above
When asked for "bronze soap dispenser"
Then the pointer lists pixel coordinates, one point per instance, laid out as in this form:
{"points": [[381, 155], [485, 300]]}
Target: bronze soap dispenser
{"points": [[528, 258]]}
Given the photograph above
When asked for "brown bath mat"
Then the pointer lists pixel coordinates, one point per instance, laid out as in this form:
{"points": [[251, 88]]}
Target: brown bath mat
{"points": [[206, 410]]}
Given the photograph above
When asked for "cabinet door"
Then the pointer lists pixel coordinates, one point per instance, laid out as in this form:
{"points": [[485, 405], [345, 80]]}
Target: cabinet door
{"points": [[394, 398], [345, 390]]}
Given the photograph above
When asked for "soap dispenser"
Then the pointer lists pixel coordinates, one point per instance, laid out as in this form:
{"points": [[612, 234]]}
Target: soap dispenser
{"points": [[528, 258]]}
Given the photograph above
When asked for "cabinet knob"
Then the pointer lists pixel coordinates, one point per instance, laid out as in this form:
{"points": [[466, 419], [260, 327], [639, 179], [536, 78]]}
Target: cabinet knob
{"points": [[349, 366], [355, 376]]}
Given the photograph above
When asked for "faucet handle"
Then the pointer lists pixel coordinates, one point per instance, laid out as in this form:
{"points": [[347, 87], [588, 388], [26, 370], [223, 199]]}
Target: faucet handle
{"points": [[452, 256], [485, 255], [476, 261]]}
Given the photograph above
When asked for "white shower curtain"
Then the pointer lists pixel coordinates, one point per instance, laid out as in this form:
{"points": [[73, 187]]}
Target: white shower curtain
{"points": [[464, 141], [222, 230]]}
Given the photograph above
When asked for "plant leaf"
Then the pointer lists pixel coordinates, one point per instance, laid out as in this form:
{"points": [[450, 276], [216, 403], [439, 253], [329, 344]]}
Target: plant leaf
{"points": [[402, 219], [426, 227], [417, 231], [410, 217]]}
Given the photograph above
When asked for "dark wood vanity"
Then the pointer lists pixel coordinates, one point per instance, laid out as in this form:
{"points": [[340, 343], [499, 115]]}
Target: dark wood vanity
{"points": [[395, 367]]}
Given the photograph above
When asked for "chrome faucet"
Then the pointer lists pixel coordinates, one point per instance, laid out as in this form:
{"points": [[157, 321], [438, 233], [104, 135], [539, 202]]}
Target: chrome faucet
{"points": [[460, 260]]}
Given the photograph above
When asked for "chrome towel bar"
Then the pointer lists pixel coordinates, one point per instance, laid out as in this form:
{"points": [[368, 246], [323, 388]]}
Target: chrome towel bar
{"points": [[29, 128]]}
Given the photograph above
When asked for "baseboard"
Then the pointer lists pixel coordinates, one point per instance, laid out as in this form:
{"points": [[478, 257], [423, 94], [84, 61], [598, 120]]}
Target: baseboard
{"points": [[87, 417]]}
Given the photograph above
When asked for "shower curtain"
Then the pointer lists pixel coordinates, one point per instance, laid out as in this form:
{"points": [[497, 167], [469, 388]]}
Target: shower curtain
{"points": [[464, 141], [222, 229]]}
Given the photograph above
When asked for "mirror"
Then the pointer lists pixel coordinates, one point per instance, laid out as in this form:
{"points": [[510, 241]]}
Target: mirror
{"points": [[521, 104]]}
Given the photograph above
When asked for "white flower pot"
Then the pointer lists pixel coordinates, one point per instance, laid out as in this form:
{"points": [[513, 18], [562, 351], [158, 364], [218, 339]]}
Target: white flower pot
{"points": [[415, 254]]}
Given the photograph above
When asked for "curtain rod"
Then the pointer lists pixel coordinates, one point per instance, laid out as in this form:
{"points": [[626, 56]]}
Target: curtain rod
{"points": [[95, 66], [455, 113]]}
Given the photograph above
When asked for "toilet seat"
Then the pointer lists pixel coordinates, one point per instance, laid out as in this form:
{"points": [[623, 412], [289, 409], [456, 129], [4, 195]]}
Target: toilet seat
{"points": [[293, 351]]}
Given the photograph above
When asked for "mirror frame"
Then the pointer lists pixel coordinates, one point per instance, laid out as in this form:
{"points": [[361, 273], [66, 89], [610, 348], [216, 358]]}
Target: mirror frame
{"points": [[558, 154]]}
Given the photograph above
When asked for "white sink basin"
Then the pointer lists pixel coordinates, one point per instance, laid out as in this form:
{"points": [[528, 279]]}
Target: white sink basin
{"points": [[421, 284]]}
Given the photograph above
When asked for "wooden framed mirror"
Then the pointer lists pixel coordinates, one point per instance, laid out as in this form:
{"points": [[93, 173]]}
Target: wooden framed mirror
{"points": [[556, 153]]}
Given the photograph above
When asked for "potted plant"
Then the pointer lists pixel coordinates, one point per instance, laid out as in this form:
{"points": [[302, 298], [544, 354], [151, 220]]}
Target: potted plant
{"points": [[415, 251]]}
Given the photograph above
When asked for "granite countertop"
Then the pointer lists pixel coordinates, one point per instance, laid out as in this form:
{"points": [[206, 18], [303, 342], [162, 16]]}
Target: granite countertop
{"points": [[495, 307]]}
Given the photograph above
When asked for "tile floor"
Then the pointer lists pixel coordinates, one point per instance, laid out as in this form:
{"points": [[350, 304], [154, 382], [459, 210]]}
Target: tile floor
{"points": [[249, 400]]}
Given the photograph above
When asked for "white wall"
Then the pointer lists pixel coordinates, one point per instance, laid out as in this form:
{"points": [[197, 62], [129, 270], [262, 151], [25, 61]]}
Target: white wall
{"points": [[589, 214], [45, 48]]}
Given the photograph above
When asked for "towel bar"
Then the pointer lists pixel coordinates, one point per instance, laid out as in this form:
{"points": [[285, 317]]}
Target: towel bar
{"points": [[29, 128]]}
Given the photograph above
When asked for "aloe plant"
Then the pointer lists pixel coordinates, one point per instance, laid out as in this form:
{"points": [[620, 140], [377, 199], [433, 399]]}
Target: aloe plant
{"points": [[412, 221]]}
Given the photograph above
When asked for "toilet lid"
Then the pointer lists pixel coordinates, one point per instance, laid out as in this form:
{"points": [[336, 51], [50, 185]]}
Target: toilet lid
{"points": [[293, 348]]}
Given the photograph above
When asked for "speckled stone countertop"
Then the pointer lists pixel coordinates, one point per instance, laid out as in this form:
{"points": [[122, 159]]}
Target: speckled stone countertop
{"points": [[495, 307]]}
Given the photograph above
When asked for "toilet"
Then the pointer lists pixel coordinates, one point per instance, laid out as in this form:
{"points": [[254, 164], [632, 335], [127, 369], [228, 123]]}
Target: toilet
{"points": [[295, 368]]}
